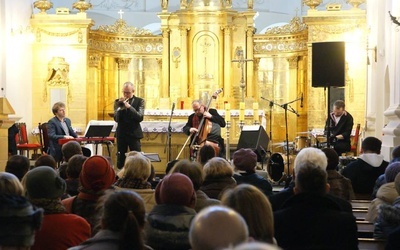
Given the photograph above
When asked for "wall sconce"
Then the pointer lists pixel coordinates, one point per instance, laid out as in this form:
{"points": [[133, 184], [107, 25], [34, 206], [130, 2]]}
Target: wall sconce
{"points": [[394, 19]]}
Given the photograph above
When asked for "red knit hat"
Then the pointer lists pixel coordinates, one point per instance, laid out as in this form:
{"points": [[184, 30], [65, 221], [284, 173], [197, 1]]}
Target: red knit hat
{"points": [[96, 174], [245, 159], [176, 189]]}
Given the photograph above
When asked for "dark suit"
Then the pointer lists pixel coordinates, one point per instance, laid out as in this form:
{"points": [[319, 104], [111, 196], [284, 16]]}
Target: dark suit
{"points": [[55, 132], [129, 132], [344, 128]]}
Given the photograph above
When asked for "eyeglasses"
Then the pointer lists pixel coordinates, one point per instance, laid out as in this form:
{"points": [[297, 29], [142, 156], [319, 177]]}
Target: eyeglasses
{"points": [[127, 92]]}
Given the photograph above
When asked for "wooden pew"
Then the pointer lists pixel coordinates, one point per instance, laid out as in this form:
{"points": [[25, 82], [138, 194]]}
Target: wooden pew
{"points": [[360, 204], [371, 244], [360, 214], [365, 229]]}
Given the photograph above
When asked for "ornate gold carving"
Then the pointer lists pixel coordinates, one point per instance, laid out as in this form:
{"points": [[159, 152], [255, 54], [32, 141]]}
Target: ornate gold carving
{"points": [[312, 3], [123, 63], [58, 34], [292, 62], [58, 72], [295, 26], [94, 60], [355, 3], [43, 5], [121, 28], [82, 6], [176, 55], [250, 4]]}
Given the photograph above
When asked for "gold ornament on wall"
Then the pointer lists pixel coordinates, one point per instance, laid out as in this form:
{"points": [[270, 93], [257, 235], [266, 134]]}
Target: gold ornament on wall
{"points": [[312, 3], [43, 5], [82, 6]]}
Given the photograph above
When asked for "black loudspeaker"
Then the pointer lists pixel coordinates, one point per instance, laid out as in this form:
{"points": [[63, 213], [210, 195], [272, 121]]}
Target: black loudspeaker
{"points": [[255, 138], [328, 64]]}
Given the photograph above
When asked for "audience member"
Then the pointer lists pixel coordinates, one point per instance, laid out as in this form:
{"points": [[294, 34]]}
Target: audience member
{"points": [[96, 176], [18, 222], [219, 177], [152, 178], [340, 186], [169, 221], [44, 189], [170, 165], [308, 219], [68, 150], [206, 153], [137, 170], [194, 170], [386, 194], [254, 245], [217, 227], [9, 184], [46, 160], [122, 223], [255, 208], [389, 214], [73, 171], [393, 241], [18, 165], [122, 170], [366, 169], [245, 162]]}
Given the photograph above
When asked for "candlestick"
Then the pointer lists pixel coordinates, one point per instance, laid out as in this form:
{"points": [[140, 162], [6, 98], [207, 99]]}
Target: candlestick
{"points": [[241, 111], [255, 112], [227, 112]]}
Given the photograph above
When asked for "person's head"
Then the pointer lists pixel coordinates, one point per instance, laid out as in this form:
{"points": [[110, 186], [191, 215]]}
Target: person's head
{"points": [[397, 183], [254, 245], [128, 90], [74, 166], [313, 156], [18, 165], [396, 153], [96, 175], [170, 165], [206, 227], [198, 107], [332, 157], [245, 159], [10, 184], [371, 145], [18, 222], [218, 167], [137, 167], [175, 189], [338, 108], [43, 183], [391, 171], [254, 207], [124, 212], [191, 169], [70, 149], [59, 109], [206, 152], [311, 178], [46, 160]]}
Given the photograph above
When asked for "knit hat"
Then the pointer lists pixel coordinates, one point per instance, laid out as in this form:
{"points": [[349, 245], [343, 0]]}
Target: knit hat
{"points": [[18, 221], [176, 189], [245, 159], [391, 171], [44, 183], [97, 174]]}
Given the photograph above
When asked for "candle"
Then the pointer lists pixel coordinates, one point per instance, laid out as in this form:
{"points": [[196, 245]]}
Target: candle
{"points": [[241, 111], [227, 112], [255, 111]]}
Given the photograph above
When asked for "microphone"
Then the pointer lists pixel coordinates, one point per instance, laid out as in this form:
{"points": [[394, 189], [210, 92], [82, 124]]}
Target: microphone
{"points": [[301, 100]]}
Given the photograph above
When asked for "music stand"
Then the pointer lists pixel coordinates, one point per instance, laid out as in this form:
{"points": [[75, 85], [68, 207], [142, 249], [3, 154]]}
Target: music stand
{"points": [[99, 129], [153, 157]]}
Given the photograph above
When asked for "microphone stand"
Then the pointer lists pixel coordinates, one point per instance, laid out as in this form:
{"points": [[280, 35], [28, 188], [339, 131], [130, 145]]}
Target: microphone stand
{"points": [[169, 134], [104, 108]]}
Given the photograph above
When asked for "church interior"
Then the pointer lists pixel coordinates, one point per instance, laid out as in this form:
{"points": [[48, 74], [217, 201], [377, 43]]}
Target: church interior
{"points": [[258, 52]]}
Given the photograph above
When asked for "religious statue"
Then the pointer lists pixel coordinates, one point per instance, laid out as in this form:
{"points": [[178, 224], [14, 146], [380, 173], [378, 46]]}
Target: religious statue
{"points": [[164, 4], [183, 3], [250, 4]]}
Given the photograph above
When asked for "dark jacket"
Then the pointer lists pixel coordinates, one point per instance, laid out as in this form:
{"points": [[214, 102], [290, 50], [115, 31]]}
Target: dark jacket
{"points": [[202, 201], [214, 187], [168, 227], [344, 128], [255, 180], [310, 221], [55, 132], [129, 119], [388, 219], [340, 185]]}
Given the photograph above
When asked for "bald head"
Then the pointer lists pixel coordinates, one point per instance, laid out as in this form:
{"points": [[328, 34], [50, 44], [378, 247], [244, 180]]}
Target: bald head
{"points": [[217, 227]]}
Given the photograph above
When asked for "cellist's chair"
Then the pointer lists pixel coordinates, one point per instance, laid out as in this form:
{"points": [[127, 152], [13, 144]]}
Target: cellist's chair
{"points": [[23, 143], [354, 143]]}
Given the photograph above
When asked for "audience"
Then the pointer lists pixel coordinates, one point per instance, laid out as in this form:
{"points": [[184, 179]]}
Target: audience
{"points": [[74, 168], [170, 165], [68, 150], [96, 176], [122, 223], [389, 214], [46, 160], [366, 169], [137, 170], [9, 184], [217, 227], [393, 241], [18, 222], [340, 186], [169, 221], [255, 208], [245, 162], [218, 177], [194, 171], [18, 165], [310, 220], [254, 245], [60, 230], [206, 153]]}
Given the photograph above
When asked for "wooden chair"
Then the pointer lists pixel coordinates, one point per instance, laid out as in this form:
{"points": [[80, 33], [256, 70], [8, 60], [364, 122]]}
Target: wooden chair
{"points": [[360, 204], [371, 244], [354, 143], [23, 143], [44, 137]]}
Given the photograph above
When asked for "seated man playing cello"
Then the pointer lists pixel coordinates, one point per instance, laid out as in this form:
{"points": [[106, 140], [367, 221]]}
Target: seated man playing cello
{"points": [[206, 123]]}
